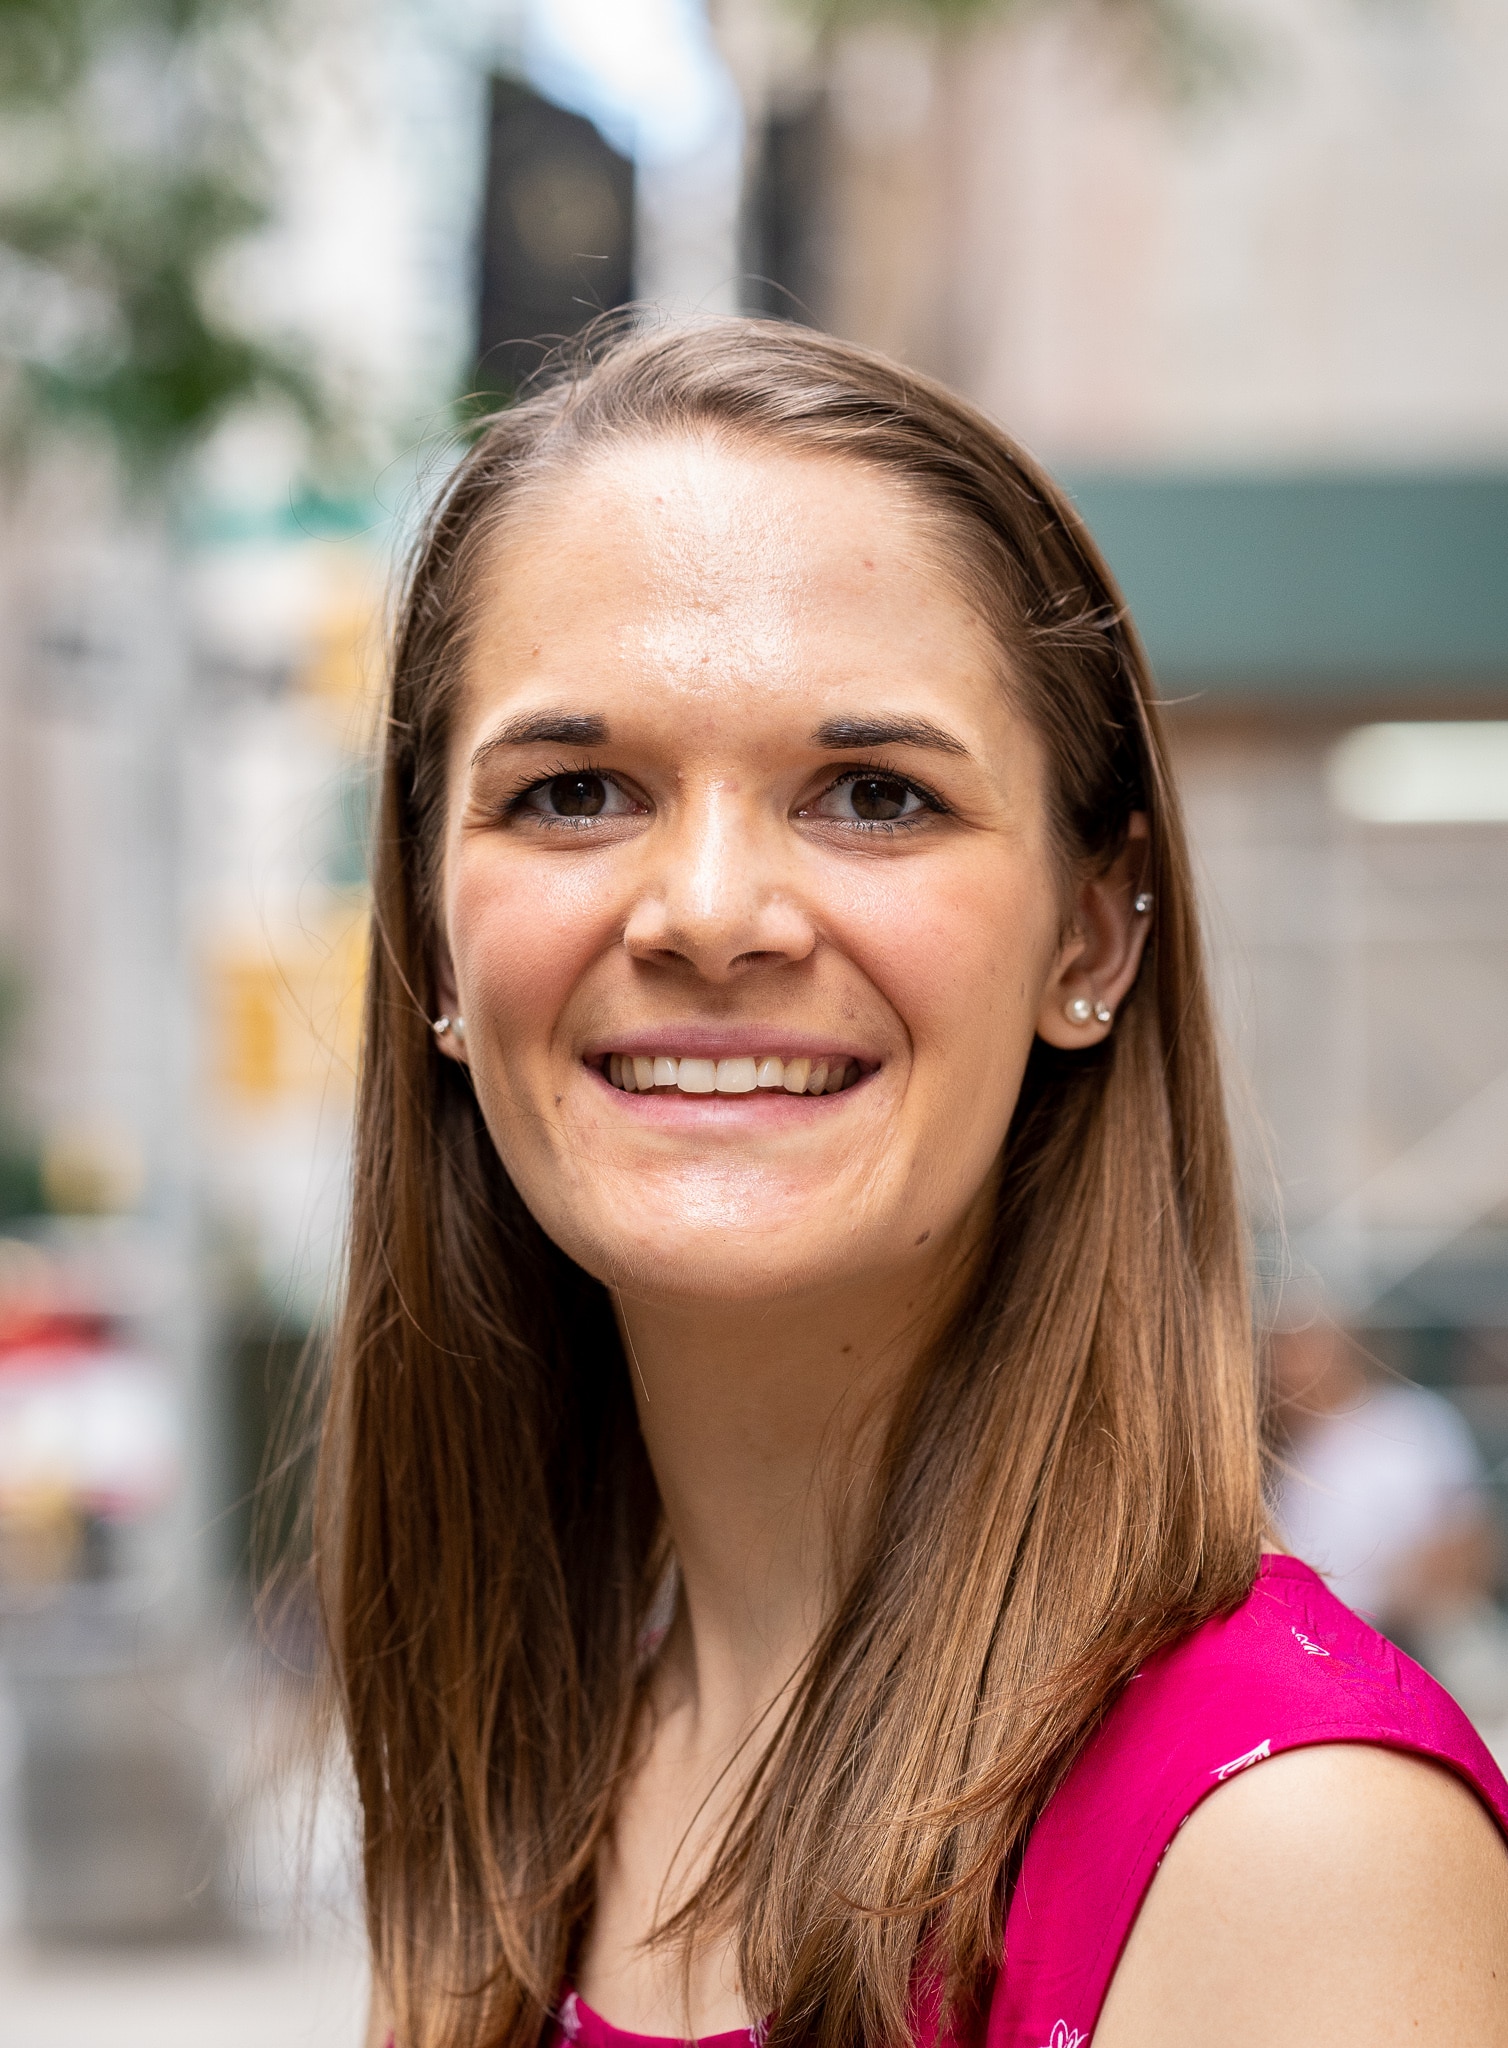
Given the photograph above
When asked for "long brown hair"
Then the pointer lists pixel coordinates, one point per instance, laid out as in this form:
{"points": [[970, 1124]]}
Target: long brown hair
{"points": [[1071, 1481]]}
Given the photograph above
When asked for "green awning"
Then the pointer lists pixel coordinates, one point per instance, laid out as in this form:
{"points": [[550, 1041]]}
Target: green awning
{"points": [[1313, 589]]}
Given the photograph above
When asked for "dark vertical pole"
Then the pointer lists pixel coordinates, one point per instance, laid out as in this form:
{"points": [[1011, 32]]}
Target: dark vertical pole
{"points": [[557, 232], [786, 256]]}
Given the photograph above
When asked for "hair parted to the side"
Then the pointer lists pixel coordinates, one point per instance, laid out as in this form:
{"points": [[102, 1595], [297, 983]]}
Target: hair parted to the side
{"points": [[1073, 1479]]}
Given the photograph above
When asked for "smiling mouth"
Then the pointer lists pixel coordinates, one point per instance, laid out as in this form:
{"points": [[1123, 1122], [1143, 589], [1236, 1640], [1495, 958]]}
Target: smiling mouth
{"points": [[637, 1074]]}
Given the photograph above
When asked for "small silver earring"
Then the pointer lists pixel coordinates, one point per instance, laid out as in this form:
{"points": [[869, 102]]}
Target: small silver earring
{"points": [[1079, 1011], [1143, 902], [443, 1024], [1103, 1014]]}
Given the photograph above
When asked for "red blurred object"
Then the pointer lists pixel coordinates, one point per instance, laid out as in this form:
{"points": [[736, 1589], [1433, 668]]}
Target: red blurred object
{"points": [[31, 1333]]}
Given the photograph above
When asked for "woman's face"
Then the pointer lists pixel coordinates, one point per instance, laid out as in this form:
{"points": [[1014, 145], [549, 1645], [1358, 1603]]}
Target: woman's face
{"points": [[736, 798]]}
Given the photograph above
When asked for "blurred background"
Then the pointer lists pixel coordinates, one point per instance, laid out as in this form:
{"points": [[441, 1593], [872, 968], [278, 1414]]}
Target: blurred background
{"points": [[1237, 270]]}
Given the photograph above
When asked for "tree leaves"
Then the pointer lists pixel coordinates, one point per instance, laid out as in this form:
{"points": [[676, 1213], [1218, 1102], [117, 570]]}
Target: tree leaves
{"points": [[128, 166]]}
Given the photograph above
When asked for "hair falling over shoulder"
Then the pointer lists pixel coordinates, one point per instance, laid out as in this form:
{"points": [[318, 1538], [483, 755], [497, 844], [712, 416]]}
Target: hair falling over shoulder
{"points": [[1073, 1479]]}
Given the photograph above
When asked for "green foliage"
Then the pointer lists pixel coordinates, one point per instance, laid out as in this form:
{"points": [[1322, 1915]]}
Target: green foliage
{"points": [[20, 1182], [46, 46], [127, 168], [20, 1162]]}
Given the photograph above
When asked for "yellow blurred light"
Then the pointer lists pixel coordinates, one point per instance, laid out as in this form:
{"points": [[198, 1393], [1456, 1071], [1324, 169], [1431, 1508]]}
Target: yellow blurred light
{"points": [[41, 1536], [285, 1016], [344, 663], [92, 1167], [249, 1026]]}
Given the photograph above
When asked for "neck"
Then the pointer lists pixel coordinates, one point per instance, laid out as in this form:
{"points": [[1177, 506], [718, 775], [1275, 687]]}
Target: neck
{"points": [[764, 1423]]}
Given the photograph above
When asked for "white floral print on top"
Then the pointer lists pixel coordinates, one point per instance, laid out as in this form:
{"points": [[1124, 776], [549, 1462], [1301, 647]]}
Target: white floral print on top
{"points": [[1244, 1763]]}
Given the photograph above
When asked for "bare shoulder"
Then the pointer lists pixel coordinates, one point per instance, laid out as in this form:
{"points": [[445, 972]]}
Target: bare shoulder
{"points": [[1343, 1895]]}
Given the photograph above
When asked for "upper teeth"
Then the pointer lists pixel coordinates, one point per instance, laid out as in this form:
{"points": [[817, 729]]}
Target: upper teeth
{"points": [[637, 1072]]}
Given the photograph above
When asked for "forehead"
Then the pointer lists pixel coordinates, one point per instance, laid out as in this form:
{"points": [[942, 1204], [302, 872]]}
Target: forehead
{"points": [[709, 573]]}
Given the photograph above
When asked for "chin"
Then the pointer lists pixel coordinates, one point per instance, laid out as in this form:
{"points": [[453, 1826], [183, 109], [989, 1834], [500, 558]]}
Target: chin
{"points": [[704, 1232], [712, 1278], [702, 1259]]}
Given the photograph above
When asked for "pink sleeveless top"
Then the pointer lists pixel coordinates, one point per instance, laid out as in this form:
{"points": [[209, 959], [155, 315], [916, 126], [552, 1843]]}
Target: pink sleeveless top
{"points": [[1290, 1668]]}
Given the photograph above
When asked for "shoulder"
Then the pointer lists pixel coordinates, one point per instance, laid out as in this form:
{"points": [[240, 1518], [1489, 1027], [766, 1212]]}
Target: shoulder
{"points": [[1290, 1695], [1342, 1893], [1290, 1667]]}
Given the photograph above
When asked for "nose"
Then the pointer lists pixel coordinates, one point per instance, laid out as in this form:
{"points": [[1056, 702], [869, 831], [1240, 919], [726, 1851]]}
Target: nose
{"points": [[716, 895]]}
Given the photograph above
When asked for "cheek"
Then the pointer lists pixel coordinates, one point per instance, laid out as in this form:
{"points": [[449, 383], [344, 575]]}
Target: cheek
{"points": [[522, 933], [961, 950]]}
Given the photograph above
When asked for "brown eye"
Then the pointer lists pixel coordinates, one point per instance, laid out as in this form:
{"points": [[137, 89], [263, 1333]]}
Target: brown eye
{"points": [[878, 798], [578, 796], [867, 800]]}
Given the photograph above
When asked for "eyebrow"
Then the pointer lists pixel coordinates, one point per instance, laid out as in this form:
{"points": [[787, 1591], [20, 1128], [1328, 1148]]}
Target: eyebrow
{"points": [[587, 729], [548, 729], [886, 732]]}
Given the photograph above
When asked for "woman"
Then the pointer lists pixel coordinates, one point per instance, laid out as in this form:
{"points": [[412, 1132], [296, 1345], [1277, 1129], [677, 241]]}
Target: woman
{"points": [[792, 1521]]}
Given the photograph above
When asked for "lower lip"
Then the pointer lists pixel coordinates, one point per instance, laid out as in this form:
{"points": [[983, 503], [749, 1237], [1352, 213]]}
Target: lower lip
{"points": [[758, 1105]]}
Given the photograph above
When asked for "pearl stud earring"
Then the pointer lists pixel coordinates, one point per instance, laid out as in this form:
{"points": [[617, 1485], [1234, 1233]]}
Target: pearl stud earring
{"points": [[1079, 1011], [443, 1024], [1143, 902]]}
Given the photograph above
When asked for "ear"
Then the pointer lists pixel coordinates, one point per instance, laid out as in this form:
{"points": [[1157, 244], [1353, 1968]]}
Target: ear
{"points": [[1102, 950], [452, 1041]]}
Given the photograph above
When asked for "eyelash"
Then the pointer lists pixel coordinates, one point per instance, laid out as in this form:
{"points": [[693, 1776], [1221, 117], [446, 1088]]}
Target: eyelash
{"points": [[513, 805], [878, 772]]}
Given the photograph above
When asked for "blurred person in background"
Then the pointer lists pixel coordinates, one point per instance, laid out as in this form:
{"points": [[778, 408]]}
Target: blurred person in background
{"points": [[790, 1521], [1383, 1490]]}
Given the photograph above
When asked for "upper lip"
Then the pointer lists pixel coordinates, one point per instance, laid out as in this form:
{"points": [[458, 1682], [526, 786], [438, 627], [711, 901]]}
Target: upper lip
{"points": [[727, 1042]]}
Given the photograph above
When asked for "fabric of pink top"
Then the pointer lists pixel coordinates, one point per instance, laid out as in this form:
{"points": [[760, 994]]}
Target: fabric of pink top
{"points": [[1291, 1667]]}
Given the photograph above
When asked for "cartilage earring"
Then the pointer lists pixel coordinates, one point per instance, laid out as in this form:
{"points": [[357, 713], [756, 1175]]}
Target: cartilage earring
{"points": [[1079, 1011], [1143, 902], [1103, 1014]]}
